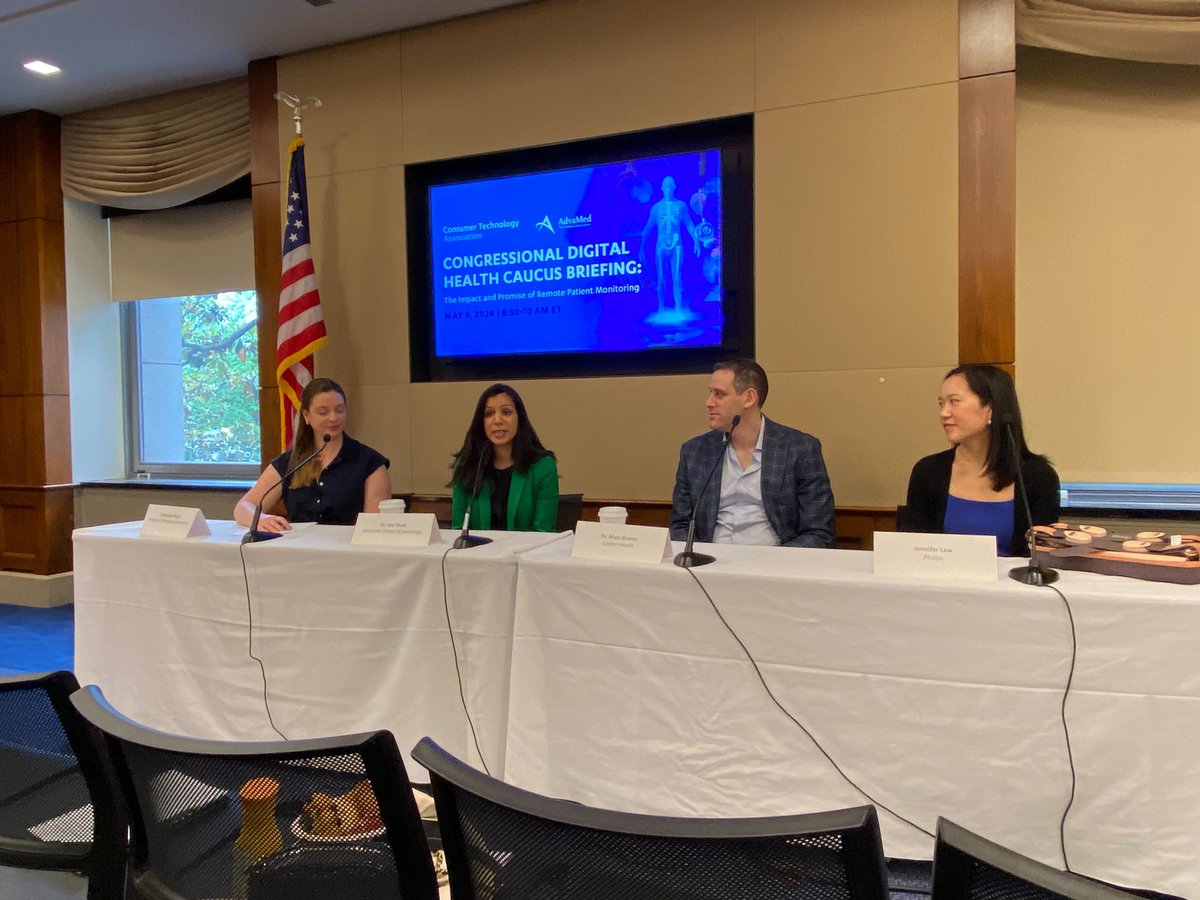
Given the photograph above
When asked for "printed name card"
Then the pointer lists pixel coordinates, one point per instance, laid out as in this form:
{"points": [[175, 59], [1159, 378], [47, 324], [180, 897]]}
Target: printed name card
{"points": [[173, 523], [390, 530], [622, 543], [947, 557]]}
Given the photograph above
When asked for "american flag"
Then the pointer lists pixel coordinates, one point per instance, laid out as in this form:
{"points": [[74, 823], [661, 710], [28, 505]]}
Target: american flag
{"points": [[301, 325]]}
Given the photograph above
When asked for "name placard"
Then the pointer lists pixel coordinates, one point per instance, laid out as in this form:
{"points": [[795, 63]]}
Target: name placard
{"points": [[946, 557], [173, 523], [623, 543], [390, 530]]}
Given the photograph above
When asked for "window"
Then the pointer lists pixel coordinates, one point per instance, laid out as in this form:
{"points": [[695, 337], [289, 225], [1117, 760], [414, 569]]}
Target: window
{"points": [[193, 364]]}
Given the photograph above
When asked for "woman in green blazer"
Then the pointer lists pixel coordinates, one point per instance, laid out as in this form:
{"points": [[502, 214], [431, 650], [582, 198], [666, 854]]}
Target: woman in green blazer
{"points": [[503, 459]]}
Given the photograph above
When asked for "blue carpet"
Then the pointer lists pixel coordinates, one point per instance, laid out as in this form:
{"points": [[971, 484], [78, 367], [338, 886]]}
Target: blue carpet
{"points": [[36, 640]]}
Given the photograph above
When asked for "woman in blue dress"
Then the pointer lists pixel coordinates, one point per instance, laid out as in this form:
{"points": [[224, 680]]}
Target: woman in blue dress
{"points": [[971, 488]]}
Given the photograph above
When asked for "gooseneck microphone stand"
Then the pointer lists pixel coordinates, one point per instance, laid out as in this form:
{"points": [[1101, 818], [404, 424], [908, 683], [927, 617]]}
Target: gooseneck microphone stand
{"points": [[466, 540], [689, 558], [253, 536], [1034, 573]]}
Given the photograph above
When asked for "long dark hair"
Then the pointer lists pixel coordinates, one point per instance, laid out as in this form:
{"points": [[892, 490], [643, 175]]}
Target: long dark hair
{"points": [[995, 388], [305, 441], [527, 446]]}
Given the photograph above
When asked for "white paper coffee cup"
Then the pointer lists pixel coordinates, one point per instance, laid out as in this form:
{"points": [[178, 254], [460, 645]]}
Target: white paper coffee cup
{"points": [[613, 515], [391, 507]]}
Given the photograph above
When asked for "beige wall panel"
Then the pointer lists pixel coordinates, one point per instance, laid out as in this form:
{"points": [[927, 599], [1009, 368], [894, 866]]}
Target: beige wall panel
{"points": [[358, 247], [380, 416], [872, 424], [359, 125], [1108, 222], [567, 69], [856, 226], [825, 49], [615, 438]]}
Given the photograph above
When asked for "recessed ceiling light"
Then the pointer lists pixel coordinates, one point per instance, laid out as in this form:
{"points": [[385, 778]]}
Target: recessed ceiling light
{"points": [[42, 68]]}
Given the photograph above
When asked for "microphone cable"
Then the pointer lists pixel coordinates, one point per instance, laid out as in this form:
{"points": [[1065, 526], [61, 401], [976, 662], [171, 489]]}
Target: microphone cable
{"points": [[250, 642], [771, 694], [251, 537], [1062, 822], [457, 667]]}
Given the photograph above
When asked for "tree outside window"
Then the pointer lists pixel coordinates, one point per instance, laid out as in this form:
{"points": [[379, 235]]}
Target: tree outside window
{"points": [[197, 380]]}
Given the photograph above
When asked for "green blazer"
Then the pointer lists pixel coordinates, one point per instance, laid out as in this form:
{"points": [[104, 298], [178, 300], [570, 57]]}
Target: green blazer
{"points": [[532, 500]]}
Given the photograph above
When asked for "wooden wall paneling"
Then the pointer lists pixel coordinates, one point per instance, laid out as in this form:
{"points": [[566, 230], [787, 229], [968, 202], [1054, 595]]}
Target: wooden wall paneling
{"points": [[22, 418], [33, 524], [987, 37], [57, 523], [987, 183], [264, 114], [12, 374], [38, 429], [36, 163], [36, 499], [41, 254], [987, 232], [8, 171], [268, 260], [269, 424], [268, 241], [18, 530], [56, 439]]}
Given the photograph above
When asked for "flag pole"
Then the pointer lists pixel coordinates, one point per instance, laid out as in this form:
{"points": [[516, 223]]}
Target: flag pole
{"points": [[294, 359], [295, 104]]}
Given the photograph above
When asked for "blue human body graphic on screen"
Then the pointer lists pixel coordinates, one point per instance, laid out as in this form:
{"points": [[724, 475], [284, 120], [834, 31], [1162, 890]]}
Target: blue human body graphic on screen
{"points": [[617, 257]]}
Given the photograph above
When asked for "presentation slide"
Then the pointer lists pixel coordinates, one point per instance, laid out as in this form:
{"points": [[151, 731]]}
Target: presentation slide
{"points": [[616, 257]]}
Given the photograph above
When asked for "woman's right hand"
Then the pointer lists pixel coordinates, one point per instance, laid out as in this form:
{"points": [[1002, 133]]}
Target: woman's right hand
{"points": [[267, 522]]}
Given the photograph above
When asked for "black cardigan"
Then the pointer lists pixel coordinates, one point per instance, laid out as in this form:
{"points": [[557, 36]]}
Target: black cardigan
{"points": [[929, 486]]}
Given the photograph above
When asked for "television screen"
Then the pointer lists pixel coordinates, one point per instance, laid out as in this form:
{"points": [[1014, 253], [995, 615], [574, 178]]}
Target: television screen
{"points": [[599, 257]]}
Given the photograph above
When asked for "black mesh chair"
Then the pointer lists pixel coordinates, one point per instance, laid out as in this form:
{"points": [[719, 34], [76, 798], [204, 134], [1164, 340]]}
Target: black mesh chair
{"points": [[969, 867], [58, 804], [503, 842], [570, 509], [339, 820]]}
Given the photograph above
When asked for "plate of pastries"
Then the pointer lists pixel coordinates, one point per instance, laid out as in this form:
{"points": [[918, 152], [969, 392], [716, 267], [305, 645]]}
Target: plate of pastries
{"points": [[352, 816], [1149, 555]]}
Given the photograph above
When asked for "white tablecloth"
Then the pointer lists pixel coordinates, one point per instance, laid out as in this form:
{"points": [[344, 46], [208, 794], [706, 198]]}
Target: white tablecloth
{"points": [[628, 692], [353, 638]]}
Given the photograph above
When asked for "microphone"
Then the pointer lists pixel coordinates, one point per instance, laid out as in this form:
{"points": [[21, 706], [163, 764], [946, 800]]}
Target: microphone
{"points": [[1034, 573], [688, 558], [253, 536], [466, 540]]}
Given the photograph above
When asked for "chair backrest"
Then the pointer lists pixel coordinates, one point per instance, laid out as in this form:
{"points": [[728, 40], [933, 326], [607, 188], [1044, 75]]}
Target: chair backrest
{"points": [[58, 802], [570, 509], [263, 820], [504, 842], [969, 867]]}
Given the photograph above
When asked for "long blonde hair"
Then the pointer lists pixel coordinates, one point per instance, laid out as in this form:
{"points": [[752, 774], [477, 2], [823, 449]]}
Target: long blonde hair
{"points": [[306, 439]]}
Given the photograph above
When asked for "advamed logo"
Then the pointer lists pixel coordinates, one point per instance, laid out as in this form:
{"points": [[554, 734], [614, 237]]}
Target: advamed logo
{"points": [[546, 223]]}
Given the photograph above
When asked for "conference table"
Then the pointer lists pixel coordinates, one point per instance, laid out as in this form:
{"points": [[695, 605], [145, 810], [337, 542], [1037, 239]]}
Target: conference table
{"points": [[618, 685], [351, 637], [628, 691]]}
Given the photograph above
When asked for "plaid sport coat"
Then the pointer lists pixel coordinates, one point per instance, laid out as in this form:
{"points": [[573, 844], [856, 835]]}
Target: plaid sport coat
{"points": [[795, 487]]}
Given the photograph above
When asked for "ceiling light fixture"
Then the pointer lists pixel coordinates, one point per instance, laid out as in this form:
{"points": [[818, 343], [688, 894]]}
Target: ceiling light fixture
{"points": [[42, 68]]}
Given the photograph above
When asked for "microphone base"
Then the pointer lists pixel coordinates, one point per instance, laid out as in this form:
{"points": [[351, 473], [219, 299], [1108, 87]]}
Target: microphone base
{"points": [[1033, 574], [690, 559], [254, 537], [467, 541]]}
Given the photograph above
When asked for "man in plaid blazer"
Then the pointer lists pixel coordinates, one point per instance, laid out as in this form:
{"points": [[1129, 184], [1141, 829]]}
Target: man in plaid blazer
{"points": [[770, 488]]}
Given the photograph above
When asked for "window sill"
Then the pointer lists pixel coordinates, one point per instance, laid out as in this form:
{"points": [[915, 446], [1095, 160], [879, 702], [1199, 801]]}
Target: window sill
{"points": [[174, 483], [1161, 501]]}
